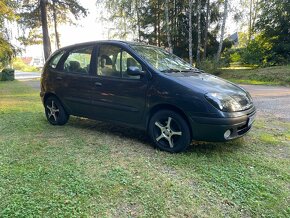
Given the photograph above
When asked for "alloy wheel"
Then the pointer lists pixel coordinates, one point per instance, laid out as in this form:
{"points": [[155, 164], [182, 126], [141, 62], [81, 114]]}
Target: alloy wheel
{"points": [[52, 111], [169, 131]]}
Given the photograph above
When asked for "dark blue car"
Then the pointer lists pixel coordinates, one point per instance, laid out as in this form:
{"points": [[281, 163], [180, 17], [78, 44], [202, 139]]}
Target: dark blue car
{"points": [[145, 87]]}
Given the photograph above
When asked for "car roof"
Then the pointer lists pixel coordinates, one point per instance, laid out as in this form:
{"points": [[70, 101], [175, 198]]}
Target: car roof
{"points": [[120, 42]]}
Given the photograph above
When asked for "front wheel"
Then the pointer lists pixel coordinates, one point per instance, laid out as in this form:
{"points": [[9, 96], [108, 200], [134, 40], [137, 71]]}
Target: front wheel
{"points": [[55, 112], [169, 131]]}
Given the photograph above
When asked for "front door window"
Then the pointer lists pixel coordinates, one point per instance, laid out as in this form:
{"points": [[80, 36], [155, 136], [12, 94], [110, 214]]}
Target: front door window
{"points": [[114, 62]]}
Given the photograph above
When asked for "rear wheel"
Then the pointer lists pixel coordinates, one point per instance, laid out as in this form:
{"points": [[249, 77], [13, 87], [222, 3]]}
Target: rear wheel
{"points": [[55, 112], [169, 131]]}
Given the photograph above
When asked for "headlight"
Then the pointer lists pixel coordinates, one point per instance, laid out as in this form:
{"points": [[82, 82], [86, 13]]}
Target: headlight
{"points": [[223, 102], [249, 97]]}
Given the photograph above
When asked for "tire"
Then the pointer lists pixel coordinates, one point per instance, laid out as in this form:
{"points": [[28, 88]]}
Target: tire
{"points": [[169, 131], [54, 111]]}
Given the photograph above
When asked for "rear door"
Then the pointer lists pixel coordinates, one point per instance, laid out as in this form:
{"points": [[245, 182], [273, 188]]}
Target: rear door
{"points": [[73, 81], [116, 95]]}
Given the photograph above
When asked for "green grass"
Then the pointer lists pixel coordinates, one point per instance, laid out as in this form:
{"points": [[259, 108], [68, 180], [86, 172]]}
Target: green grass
{"points": [[92, 169], [257, 76]]}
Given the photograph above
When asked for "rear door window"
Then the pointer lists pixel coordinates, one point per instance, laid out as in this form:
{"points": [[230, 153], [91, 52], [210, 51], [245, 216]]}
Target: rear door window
{"points": [[78, 61]]}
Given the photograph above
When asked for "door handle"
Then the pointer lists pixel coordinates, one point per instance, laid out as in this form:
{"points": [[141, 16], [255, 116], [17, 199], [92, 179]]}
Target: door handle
{"points": [[58, 78], [98, 84]]}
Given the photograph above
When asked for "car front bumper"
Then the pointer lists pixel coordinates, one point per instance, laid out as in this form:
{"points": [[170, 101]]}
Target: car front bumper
{"points": [[214, 129]]}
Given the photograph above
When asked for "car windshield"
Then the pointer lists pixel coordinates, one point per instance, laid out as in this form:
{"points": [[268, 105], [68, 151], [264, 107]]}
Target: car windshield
{"points": [[162, 60]]}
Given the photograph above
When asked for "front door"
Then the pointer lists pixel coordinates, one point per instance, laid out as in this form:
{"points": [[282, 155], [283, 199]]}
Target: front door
{"points": [[118, 96]]}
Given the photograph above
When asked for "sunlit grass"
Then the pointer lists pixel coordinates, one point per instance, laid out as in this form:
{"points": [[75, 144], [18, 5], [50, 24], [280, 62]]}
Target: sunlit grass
{"points": [[257, 76], [252, 82], [92, 169]]}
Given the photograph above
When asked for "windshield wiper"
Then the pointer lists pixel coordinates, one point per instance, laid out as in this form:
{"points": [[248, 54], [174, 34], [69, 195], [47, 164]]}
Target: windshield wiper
{"points": [[171, 70], [195, 70]]}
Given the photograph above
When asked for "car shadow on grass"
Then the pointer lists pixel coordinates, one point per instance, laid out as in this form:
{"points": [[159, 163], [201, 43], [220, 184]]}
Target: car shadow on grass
{"points": [[141, 136], [111, 128]]}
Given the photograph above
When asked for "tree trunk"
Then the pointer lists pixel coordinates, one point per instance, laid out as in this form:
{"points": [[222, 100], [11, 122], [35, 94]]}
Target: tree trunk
{"points": [[222, 30], [158, 23], [45, 34], [174, 23], [198, 32], [250, 21], [167, 26], [55, 25], [155, 25], [255, 11], [138, 19], [190, 32], [207, 21]]}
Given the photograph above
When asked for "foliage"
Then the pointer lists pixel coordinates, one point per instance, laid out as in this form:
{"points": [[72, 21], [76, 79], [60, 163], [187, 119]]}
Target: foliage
{"points": [[7, 75], [259, 51], [254, 53], [7, 11], [7, 50], [91, 169], [146, 20], [273, 22], [68, 11], [208, 65], [235, 57], [18, 64]]}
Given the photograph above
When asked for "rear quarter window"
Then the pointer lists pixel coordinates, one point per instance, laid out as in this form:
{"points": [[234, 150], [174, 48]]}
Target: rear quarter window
{"points": [[55, 59]]}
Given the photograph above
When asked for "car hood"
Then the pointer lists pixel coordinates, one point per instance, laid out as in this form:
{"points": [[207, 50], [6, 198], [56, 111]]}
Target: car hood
{"points": [[206, 83]]}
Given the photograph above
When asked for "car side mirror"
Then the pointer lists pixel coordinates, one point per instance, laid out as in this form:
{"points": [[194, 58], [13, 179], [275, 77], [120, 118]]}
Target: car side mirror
{"points": [[135, 71]]}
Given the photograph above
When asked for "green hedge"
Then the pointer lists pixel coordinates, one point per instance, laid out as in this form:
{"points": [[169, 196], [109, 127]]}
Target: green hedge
{"points": [[7, 75]]}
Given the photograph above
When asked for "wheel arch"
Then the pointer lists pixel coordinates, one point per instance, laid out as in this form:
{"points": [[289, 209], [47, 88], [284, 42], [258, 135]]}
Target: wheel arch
{"points": [[49, 94], [159, 107]]}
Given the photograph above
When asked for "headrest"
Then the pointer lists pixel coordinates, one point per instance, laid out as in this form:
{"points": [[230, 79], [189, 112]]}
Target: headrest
{"points": [[75, 65], [106, 60]]}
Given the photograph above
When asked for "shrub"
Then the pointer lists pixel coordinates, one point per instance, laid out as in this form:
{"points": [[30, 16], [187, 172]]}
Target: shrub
{"points": [[235, 57], [254, 53], [18, 64], [210, 65], [7, 75]]}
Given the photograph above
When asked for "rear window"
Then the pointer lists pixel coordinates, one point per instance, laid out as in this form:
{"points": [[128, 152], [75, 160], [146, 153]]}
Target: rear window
{"points": [[55, 59]]}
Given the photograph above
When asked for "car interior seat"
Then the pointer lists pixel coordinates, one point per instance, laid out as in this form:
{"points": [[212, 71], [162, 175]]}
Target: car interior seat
{"points": [[107, 66], [74, 66]]}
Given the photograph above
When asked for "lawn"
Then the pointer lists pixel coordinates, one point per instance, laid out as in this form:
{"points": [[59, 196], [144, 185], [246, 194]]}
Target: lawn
{"points": [[92, 169], [263, 76]]}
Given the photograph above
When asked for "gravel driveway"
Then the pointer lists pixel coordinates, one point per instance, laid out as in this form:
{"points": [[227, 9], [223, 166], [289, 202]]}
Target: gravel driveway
{"points": [[271, 101]]}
